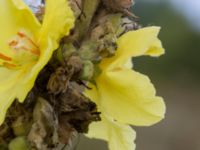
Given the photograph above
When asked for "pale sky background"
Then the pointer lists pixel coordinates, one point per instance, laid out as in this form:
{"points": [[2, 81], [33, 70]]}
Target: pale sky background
{"points": [[190, 9], [33, 4]]}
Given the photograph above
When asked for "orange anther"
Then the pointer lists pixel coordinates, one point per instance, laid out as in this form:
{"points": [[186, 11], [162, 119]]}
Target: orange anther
{"points": [[21, 34], [9, 65], [36, 52], [13, 43], [4, 57]]}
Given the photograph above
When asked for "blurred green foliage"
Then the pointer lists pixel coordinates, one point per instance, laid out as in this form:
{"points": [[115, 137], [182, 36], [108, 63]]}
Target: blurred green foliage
{"points": [[181, 42]]}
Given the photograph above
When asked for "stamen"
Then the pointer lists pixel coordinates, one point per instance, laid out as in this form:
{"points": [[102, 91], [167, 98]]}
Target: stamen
{"points": [[24, 42], [5, 58], [9, 65], [22, 35], [36, 52], [13, 43]]}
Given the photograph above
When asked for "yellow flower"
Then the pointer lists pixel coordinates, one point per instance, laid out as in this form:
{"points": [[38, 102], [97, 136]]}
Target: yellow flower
{"points": [[26, 45], [124, 96]]}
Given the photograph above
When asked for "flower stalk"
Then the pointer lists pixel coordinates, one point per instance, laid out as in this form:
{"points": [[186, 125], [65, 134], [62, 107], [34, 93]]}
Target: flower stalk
{"points": [[69, 72]]}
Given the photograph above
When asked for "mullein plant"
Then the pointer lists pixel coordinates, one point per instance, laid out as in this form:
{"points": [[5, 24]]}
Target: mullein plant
{"points": [[66, 69]]}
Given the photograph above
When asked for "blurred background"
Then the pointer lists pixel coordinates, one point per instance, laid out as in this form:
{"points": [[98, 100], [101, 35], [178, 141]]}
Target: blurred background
{"points": [[176, 76]]}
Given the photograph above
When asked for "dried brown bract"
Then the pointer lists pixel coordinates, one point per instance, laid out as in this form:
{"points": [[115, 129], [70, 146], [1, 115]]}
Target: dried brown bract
{"points": [[59, 80]]}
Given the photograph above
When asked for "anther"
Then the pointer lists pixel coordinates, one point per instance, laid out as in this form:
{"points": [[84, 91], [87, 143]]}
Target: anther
{"points": [[5, 58], [13, 43], [9, 65]]}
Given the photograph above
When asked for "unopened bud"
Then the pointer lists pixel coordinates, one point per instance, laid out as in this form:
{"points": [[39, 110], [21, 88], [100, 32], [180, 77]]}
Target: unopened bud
{"points": [[88, 70], [19, 143]]}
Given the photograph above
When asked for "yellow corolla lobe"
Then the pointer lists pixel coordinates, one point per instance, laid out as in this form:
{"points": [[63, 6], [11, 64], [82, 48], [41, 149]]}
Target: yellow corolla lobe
{"points": [[26, 45], [124, 96]]}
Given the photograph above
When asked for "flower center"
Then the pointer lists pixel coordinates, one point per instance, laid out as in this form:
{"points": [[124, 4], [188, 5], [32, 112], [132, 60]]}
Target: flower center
{"points": [[23, 42], [25, 51]]}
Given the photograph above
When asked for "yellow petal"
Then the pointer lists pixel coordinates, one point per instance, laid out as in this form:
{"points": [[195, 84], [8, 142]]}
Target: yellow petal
{"points": [[129, 97], [129, 64], [8, 78], [14, 16], [92, 93], [118, 136], [135, 43], [155, 49], [6, 100], [14, 85], [58, 20], [9, 89]]}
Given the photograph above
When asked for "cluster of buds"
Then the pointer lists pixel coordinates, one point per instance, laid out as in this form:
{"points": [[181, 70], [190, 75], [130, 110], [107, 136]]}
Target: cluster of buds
{"points": [[64, 111]]}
